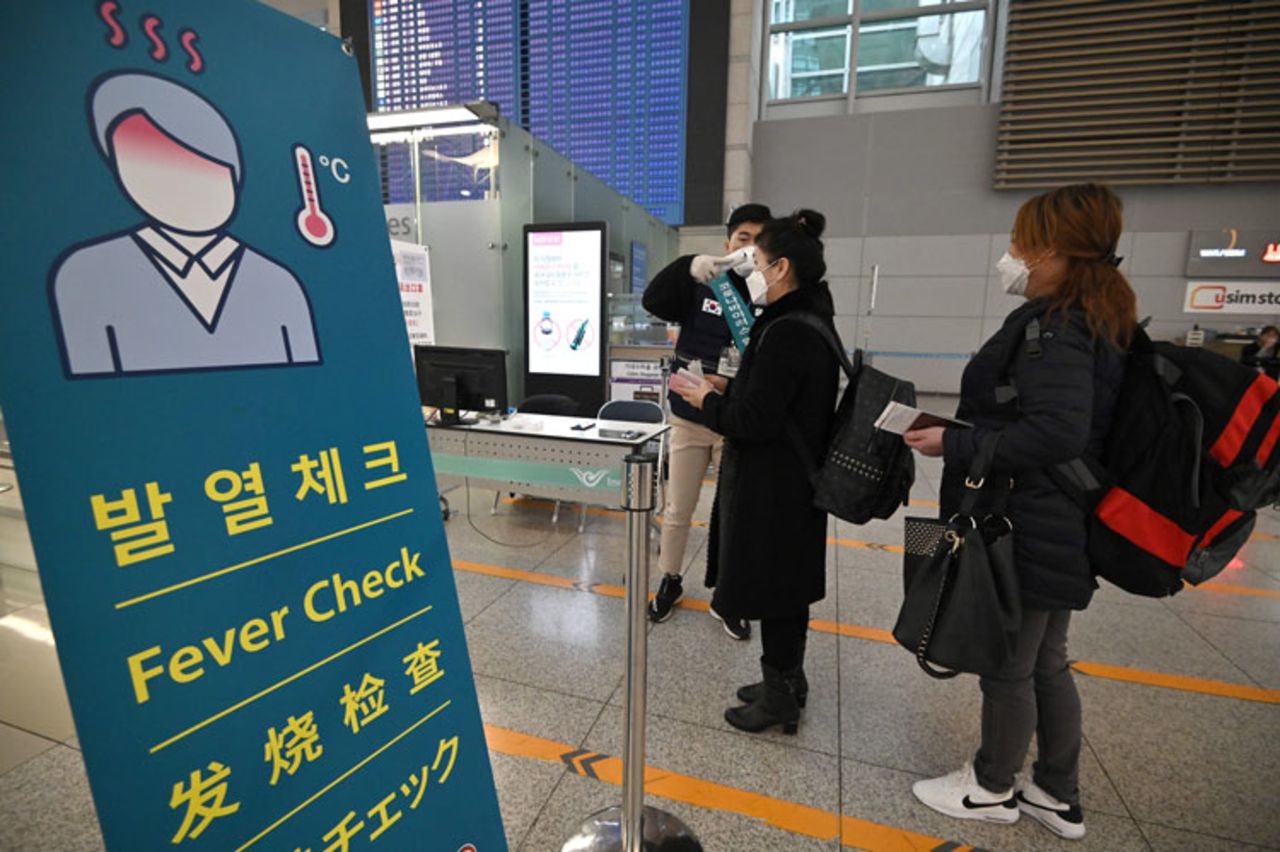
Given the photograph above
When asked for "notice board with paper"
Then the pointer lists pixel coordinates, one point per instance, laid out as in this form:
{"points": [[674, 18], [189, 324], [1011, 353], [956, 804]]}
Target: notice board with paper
{"points": [[222, 457], [413, 272]]}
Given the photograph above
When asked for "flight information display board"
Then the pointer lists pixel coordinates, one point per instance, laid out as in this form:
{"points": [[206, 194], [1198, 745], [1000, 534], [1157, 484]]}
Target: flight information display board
{"points": [[601, 81], [443, 52]]}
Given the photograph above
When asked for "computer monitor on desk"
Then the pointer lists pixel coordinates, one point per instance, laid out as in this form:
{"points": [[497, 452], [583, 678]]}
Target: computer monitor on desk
{"points": [[454, 379]]}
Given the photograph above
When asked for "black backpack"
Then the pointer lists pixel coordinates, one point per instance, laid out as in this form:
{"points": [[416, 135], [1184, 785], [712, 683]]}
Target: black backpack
{"points": [[1191, 454], [866, 473]]}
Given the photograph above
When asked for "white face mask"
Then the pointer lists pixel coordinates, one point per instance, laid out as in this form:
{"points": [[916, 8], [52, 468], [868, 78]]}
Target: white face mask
{"points": [[759, 287], [1013, 274]]}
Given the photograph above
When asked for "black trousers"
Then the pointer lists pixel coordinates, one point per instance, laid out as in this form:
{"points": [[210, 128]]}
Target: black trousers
{"points": [[1035, 694], [783, 640]]}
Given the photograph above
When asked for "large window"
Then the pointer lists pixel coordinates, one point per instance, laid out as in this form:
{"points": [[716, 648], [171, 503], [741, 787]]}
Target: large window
{"points": [[823, 48]]}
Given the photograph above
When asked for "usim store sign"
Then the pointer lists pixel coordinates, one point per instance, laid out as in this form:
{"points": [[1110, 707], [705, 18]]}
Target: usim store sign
{"points": [[1233, 297]]}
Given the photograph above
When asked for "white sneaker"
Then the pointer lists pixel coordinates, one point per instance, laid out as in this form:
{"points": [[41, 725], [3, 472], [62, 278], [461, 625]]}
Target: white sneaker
{"points": [[960, 795], [1062, 819]]}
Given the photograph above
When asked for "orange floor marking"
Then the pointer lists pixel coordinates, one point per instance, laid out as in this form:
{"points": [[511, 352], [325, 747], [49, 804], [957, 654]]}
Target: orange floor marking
{"points": [[853, 631], [1264, 536], [865, 545], [779, 813], [1179, 682], [1232, 589], [876, 634]]}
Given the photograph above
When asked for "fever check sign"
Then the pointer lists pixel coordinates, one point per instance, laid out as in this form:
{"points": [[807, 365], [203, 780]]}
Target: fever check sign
{"points": [[216, 427], [565, 284]]}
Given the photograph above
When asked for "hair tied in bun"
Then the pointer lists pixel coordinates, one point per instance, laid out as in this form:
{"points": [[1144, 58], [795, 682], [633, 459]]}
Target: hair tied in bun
{"points": [[809, 222]]}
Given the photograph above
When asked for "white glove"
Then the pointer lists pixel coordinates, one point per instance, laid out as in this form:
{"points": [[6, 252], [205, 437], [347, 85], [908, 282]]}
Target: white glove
{"points": [[704, 268], [742, 261]]}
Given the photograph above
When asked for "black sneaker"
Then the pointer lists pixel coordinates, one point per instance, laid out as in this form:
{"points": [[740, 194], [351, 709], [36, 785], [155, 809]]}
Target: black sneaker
{"points": [[738, 628], [670, 591]]}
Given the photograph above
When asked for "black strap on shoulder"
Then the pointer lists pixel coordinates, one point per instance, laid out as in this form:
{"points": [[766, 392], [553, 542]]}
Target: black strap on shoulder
{"points": [[851, 369], [1029, 342], [1031, 338]]}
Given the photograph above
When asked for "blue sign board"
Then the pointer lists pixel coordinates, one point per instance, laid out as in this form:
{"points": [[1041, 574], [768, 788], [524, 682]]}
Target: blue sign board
{"points": [[204, 376], [639, 267]]}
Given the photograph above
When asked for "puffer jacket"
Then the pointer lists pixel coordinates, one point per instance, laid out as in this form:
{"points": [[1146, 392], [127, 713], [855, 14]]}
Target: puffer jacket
{"points": [[1065, 398]]}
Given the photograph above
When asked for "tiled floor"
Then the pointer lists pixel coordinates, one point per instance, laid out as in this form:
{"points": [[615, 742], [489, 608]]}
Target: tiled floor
{"points": [[1168, 767]]}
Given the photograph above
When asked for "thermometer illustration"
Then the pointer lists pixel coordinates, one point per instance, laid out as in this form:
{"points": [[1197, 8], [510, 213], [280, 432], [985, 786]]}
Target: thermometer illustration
{"points": [[314, 224], [577, 338]]}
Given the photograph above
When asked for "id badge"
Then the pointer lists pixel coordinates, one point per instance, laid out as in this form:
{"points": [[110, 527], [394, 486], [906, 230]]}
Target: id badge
{"points": [[730, 360]]}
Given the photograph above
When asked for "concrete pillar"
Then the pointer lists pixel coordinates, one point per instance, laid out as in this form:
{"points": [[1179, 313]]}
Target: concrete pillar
{"points": [[746, 31]]}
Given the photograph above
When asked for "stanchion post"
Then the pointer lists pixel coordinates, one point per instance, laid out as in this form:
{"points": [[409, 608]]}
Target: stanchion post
{"points": [[639, 506], [634, 827]]}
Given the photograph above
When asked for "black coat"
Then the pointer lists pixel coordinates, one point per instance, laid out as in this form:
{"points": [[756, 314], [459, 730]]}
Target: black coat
{"points": [[1065, 400], [767, 549], [674, 296]]}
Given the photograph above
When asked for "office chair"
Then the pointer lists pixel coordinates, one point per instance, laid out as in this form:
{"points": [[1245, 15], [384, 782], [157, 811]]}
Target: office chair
{"points": [[635, 411]]}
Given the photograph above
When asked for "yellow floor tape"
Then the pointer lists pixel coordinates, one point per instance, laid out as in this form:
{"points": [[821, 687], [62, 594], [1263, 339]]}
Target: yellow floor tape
{"points": [[1203, 686], [857, 544], [779, 813]]}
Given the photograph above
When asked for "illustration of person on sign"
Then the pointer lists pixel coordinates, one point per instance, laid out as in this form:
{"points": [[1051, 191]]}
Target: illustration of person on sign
{"points": [[177, 293]]}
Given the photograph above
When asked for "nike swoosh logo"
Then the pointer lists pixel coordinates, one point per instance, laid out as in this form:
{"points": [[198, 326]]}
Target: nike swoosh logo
{"points": [[1060, 811], [973, 806]]}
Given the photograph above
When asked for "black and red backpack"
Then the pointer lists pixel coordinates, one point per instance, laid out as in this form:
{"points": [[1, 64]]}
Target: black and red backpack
{"points": [[1193, 451]]}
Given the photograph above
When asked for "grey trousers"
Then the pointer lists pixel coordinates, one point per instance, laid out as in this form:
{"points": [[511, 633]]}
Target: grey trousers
{"points": [[1035, 694]]}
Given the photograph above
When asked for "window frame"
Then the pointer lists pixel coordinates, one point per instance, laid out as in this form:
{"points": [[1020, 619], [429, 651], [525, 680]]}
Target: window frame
{"points": [[855, 20], [819, 32]]}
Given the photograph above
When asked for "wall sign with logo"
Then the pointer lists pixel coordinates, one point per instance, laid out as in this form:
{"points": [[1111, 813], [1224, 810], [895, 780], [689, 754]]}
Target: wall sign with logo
{"points": [[224, 469], [1233, 297], [1234, 253]]}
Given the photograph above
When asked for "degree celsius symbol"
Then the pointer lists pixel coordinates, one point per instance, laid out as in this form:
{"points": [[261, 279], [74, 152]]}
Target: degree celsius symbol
{"points": [[337, 167]]}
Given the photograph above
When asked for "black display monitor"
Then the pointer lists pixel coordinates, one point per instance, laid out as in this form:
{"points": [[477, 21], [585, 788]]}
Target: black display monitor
{"points": [[455, 379]]}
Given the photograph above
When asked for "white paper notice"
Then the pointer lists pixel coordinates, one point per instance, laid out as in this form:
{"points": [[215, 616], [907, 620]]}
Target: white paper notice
{"points": [[413, 271]]}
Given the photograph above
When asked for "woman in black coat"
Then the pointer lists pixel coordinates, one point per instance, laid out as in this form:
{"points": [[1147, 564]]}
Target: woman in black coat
{"points": [[768, 542], [1051, 397]]}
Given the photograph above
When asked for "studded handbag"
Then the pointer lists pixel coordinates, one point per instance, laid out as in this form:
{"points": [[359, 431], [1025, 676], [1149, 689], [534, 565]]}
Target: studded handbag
{"points": [[961, 611]]}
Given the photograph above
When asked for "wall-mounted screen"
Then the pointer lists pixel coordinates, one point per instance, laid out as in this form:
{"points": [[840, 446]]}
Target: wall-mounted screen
{"points": [[639, 267], [564, 286]]}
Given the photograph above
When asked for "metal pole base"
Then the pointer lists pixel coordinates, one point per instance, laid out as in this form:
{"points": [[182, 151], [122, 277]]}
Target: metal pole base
{"points": [[661, 832]]}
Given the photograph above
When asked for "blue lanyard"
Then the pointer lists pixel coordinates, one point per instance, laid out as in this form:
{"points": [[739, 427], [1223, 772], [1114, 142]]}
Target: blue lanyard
{"points": [[736, 311]]}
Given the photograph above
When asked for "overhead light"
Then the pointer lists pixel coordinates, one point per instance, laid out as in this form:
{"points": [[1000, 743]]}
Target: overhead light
{"points": [[390, 138], [386, 137], [436, 116]]}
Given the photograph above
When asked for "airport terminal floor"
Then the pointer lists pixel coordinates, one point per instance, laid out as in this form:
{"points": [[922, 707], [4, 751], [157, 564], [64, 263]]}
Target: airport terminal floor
{"points": [[1180, 701]]}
